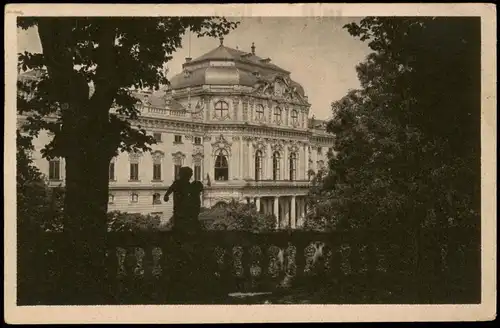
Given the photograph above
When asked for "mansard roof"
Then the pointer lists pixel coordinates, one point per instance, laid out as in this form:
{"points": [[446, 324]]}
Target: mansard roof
{"points": [[227, 66], [225, 53]]}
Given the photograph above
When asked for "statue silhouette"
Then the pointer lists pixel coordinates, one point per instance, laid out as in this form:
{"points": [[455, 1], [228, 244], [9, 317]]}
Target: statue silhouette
{"points": [[187, 253], [187, 201]]}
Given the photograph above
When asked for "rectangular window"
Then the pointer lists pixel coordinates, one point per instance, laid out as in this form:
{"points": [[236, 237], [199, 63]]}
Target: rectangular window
{"points": [[55, 169], [177, 169], [177, 139], [197, 172], [157, 136], [156, 171], [197, 140], [134, 171], [320, 150], [111, 171], [156, 199]]}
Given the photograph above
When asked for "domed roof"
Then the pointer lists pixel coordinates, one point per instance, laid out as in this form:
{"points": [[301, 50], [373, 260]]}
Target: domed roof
{"points": [[213, 75], [227, 66]]}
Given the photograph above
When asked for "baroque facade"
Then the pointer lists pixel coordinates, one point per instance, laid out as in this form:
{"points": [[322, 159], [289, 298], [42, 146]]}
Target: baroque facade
{"points": [[239, 121]]}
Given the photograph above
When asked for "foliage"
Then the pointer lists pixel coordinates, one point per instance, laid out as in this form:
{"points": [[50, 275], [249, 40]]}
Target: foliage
{"points": [[39, 207], [237, 216], [132, 222], [407, 143]]}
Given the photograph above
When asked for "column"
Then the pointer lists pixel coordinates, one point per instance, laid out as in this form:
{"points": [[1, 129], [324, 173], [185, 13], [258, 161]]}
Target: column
{"points": [[269, 163], [257, 203], [306, 160], [276, 211], [249, 160], [240, 153], [285, 174], [207, 158], [293, 218], [234, 163], [286, 213], [300, 210]]}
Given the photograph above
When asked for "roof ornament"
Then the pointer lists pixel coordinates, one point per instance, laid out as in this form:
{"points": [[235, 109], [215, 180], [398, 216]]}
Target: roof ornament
{"points": [[198, 108], [221, 39], [253, 48]]}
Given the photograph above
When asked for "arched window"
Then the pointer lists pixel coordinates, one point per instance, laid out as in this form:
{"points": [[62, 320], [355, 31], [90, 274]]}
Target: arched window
{"points": [[277, 114], [293, 166], [221, 166], [258, 165], [259, 111], [276, 165], [156, 198], [295, 117], [221, 109], [134, 198], [111, 198]]}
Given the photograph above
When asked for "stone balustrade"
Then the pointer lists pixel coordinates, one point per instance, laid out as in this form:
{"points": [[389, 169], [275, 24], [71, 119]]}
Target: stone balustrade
{"points": [[355, 267]]}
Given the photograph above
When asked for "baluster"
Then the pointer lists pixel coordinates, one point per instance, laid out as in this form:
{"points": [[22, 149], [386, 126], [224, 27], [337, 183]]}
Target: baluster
{"points": [[238, 268], [121, 273], [156, 270], [289, 265], [291, 259], [273, 269], [121, 254], [309, 253], [219, 255], [254, 264], [328, 259], [139, 255]]}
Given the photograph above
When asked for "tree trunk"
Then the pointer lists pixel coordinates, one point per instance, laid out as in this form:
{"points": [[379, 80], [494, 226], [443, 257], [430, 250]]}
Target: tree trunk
{"points": [[85, 210]]}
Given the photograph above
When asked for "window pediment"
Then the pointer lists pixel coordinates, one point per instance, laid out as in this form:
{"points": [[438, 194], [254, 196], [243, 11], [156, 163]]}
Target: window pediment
{"points": [[134, 156], [178, 157], [259, 144], [157, 155], [221, 143], [277, 147]]}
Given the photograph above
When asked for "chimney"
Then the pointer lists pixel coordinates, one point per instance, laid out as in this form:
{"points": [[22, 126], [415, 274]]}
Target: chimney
{"points": [[253, 48], [188, 59]]}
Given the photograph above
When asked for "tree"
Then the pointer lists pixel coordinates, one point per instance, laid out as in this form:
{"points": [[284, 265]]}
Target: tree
{"points": [[408, 141], [88, 65]]}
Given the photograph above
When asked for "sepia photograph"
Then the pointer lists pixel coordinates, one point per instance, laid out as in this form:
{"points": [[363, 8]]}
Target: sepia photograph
{"points": [[235, 157]]}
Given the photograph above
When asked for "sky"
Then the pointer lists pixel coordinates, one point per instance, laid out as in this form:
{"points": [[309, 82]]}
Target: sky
{"points": [[318, 52]]}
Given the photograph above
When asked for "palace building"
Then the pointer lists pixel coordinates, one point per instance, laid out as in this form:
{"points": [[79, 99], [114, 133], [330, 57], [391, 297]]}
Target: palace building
{"points": [[239, 121]]}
